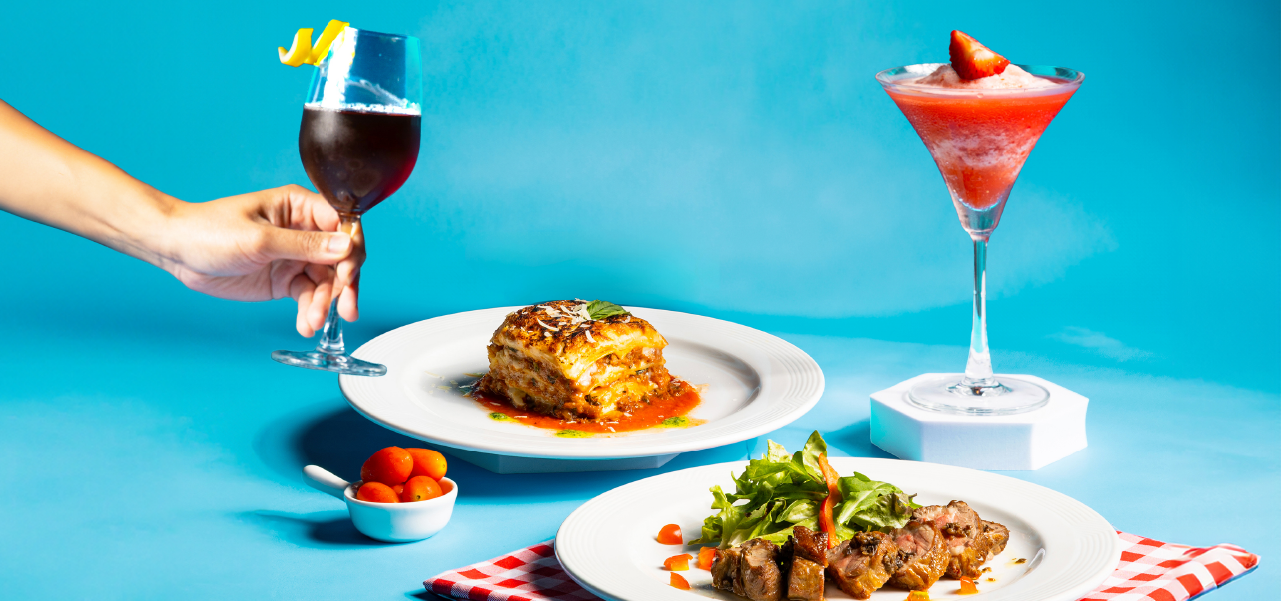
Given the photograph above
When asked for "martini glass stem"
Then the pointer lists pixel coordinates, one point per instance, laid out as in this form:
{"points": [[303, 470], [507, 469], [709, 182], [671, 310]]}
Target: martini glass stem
{"points": [[978, 368]]}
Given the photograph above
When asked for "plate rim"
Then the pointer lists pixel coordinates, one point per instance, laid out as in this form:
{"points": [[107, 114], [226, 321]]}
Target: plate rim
{"points": [[1070, 593], [776, 349]]}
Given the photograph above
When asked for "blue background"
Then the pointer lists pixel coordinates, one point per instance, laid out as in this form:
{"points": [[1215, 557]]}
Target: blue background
{"points": [[734, 159]]}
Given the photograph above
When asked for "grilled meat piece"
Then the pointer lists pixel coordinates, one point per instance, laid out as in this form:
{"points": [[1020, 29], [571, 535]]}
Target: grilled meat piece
{"points": [[802, 560], [963, 533], [725, 570], [924, 554], [761, 577], [810, 545], [994, 536], [864, 563], [749, 570], [804, 580]]}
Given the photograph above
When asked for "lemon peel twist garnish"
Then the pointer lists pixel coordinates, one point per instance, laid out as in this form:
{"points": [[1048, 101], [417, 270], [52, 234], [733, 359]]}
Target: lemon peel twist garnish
{"points": [[300, 52], [304, 53]]}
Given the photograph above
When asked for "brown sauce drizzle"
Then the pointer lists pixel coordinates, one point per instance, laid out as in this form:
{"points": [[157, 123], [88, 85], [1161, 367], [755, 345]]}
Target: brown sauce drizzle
{"points": [[667, 411]]}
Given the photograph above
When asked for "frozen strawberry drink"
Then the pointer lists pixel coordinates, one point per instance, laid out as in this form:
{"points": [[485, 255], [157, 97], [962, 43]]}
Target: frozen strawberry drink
{"points": [[979, 116], [979, 130]]}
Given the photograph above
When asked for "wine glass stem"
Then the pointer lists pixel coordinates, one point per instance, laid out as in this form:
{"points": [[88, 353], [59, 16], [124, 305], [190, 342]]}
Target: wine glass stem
{"points": [[331, 338], [978, 368]]}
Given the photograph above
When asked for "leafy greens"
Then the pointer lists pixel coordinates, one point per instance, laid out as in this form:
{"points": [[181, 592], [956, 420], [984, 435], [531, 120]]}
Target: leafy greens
{"points": [[784, 491]]}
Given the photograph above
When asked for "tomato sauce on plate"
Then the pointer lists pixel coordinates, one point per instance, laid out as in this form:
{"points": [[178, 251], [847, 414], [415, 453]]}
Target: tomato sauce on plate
{"points": [[668, 411]]}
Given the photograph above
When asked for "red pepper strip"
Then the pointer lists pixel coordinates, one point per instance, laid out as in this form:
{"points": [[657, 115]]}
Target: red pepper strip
{"points": [[826, 521]]}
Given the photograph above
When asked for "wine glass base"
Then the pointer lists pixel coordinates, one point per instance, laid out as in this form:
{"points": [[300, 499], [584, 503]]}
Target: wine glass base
{"points": [[947, 394], [343, 364]]}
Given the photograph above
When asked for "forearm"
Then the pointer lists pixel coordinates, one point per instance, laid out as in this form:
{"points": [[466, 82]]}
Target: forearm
{"points": [[50, 180]]}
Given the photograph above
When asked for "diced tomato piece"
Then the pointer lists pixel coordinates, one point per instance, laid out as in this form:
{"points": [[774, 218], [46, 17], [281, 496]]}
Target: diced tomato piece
{"points": [[968, 587], [705, 557], [678, 563], [671, 535], [679, 581]]}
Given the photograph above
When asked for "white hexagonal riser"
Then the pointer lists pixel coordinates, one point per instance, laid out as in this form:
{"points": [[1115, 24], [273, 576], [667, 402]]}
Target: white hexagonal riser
{"points": [[1026, 441]]}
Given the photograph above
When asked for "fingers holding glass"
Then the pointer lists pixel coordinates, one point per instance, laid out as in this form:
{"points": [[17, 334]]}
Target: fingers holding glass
{"points": [[348, 300], [349, 268], [302, 289]]}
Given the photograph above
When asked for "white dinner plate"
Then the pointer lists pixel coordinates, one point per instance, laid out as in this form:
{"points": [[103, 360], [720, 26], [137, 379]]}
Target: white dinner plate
{"points": [[755, 384], [609, 547]]}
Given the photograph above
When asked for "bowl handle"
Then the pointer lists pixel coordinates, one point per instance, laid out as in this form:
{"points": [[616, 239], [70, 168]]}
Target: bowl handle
{"points": [[325, 481]]}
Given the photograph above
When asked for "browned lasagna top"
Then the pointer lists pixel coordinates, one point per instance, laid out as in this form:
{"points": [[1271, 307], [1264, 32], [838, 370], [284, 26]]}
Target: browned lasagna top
{"points": [[556, 359]]}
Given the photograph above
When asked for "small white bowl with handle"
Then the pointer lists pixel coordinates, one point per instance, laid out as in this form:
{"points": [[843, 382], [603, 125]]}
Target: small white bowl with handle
{"points": [[388, 522]]}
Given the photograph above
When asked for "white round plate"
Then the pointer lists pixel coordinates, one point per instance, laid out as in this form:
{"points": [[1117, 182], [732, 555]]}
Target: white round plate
{"points": [[608, 545], [755, 384]]}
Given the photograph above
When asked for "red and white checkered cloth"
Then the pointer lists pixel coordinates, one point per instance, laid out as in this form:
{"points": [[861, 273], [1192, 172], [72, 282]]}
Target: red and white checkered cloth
{"points": [[1149, 571]]}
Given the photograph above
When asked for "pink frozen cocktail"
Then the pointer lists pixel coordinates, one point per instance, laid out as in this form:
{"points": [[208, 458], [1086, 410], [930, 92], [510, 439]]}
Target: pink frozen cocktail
{"points": [[980, 117]]}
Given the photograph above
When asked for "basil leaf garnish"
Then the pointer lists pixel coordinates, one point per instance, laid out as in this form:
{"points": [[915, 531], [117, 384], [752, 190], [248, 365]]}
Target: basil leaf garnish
{"points": [[599, 309]]}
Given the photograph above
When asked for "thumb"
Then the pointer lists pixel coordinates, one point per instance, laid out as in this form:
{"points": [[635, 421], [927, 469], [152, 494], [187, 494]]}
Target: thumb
{"points": [[311, 247]]}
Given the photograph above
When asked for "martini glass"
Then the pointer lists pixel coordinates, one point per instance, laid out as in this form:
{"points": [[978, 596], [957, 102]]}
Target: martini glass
{"points": [[359, 142], [979, 139]]}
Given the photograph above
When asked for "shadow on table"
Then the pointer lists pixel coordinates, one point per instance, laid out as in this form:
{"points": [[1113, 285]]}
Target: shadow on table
{"points": [[855, 440], [329, 528], [329, 434], [424, 595], [332, 435]]}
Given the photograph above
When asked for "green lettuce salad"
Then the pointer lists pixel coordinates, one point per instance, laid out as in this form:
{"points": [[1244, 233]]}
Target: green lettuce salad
{"points": [[784, 491]]}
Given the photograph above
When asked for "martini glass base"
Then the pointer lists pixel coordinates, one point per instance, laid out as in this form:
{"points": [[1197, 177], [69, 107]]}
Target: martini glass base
{"points": [[947, 394], [343, 364]]}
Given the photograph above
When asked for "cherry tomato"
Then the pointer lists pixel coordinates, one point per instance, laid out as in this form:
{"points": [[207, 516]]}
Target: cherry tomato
{"points": [[679, 582], [968, 587], [671, 535], [428, 463], [391, 466], [376, 492], [399, 488], [678, 563], [420, 488], [705, 557]]}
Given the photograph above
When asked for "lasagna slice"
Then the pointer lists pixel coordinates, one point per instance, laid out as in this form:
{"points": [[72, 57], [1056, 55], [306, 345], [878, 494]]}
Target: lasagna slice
{"points": [[555, 359]]}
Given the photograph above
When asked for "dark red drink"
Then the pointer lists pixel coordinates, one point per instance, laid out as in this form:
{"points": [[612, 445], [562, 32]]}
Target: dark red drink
{"points": [[356, 159]]}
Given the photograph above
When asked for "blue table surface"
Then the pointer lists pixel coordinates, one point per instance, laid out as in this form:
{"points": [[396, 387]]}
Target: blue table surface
{"points": [[151, 449], [137, 474]]}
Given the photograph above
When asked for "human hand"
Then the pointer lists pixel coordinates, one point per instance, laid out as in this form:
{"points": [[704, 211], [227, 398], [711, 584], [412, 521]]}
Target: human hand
{"points": [[283, 242]]}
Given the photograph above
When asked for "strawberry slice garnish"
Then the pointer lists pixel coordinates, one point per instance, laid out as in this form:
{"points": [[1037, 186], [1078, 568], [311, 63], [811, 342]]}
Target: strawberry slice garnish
{"points": [[972, 60]]}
